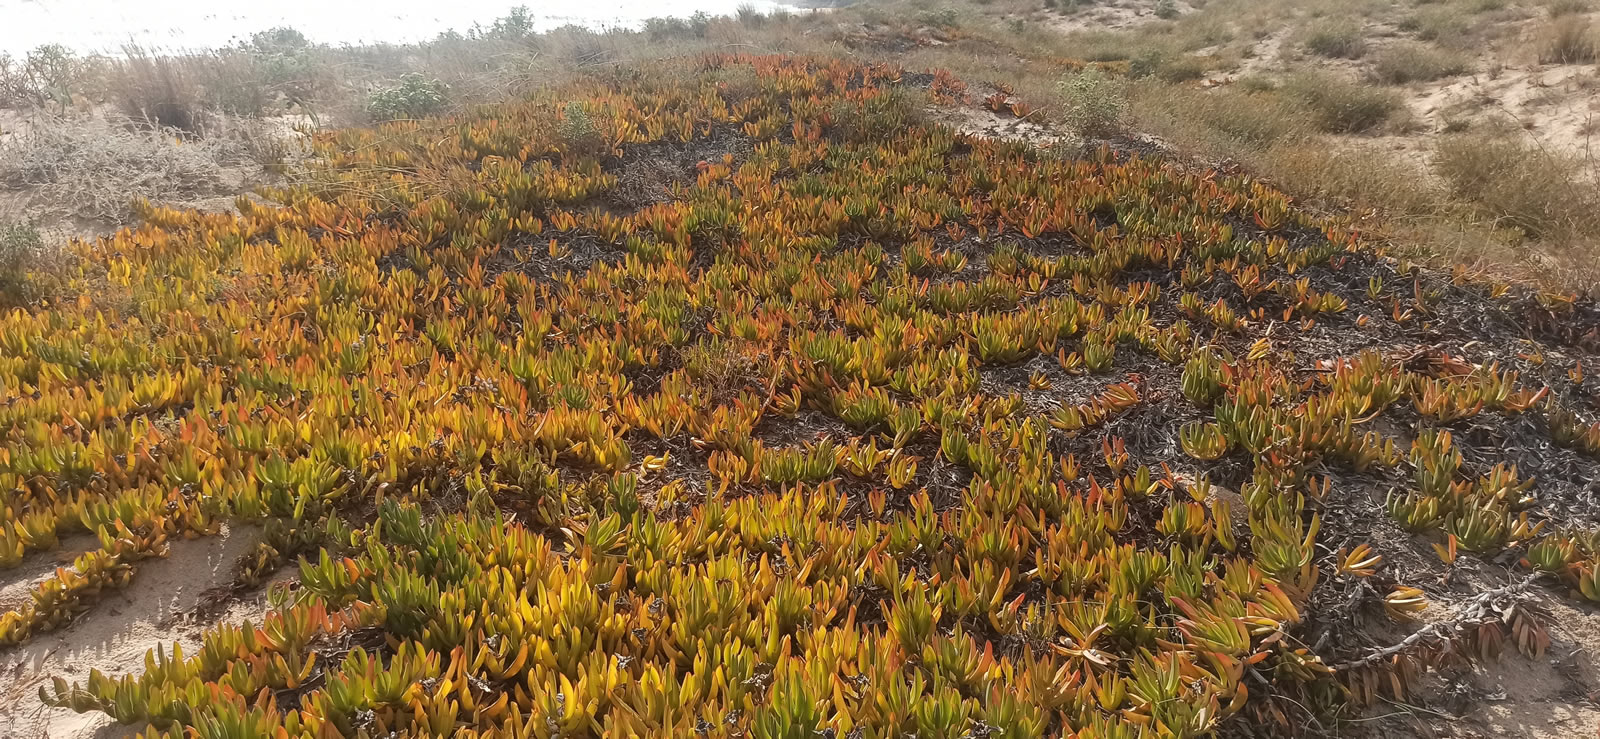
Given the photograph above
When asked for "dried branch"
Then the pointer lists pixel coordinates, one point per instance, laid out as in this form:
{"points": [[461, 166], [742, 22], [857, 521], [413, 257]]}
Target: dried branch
{"points": [[1475, 612]]}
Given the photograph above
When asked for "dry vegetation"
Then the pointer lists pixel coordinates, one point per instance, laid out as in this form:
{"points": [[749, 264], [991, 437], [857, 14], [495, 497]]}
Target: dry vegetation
{"points": [[716, 378], [971, 438], [1344, 102]]}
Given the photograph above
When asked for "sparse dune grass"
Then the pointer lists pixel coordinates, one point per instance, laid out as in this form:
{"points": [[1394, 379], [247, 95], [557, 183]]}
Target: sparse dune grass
{"points": [[1404, 62], [1568, 40], [1338, 39], [1522, 186], [1339, 105]]}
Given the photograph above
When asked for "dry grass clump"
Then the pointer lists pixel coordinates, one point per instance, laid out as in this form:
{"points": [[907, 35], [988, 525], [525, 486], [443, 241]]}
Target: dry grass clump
{"points": [[1442, 23], [1405, 62], [97, 168], [1559, 8], [272, 71], [1223, 120], [1270, 131], [1270, 134], [1338, 105], [1519, 185], [1336, 40], [1166, 66], [157, 88], [1568, 41]]}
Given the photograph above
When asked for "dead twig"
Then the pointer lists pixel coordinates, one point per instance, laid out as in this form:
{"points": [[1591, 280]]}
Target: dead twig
{"points": [[1475, 612]]}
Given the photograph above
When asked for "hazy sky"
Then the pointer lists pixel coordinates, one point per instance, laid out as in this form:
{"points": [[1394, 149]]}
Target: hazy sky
{"points": [[105, 25]]}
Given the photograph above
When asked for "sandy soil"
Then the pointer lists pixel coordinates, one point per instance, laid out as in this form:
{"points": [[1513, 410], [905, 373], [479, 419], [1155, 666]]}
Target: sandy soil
{"points": [[980, 121], [1558, 104], [1111, 16], [113, 637], [1264, 56], [232, 176], [1516, 697]]}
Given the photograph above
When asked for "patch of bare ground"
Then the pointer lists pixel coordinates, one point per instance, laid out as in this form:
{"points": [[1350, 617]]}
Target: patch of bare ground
{"points": [[1261, 56], [1116, 15], [985, 123], [171, 600], [1511, 696], [1557, 104], [76, 174], [1541, 698], [1462, 692]]}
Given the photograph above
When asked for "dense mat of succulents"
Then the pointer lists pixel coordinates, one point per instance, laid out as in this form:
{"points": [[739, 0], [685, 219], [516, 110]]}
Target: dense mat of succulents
{"points": [[843, 423]]}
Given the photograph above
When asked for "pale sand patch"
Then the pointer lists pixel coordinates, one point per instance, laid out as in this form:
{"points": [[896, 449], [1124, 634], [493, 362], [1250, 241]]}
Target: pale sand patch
{"points": [[1119, 15], [114, 635]]}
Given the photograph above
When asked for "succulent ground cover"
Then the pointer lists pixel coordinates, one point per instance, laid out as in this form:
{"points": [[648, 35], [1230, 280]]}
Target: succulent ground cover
{"points": [[737, 400]]}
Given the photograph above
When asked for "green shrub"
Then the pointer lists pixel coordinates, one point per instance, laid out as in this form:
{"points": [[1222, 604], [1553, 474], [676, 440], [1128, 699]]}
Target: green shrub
{"points": [[1143, 64], [659, 29], [1412, 62], [941, 17], [48, 74], [578, 132], [1337, 40], [1095, 102], [517, 25], [1156, 62], [284, 57], [1167, 9], [257, 76], [699, 23], [695, 26], [414, 97], [21, 250], [1338, 105]]}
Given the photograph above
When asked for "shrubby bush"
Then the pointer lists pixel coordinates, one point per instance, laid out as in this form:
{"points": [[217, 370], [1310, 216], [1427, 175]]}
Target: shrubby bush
{"points": [[1337, 40], [1342, 106], [1096, 103], [1412, 62], [578, 132], [21, 250], [415, 97], [49, 74]]}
